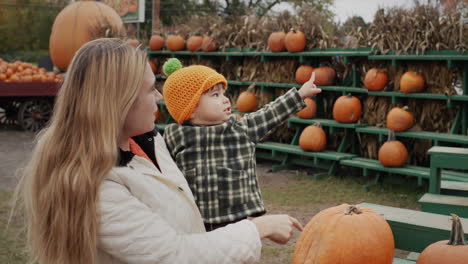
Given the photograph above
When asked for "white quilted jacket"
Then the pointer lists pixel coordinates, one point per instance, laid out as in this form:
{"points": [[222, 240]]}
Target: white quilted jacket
{"points": [[149, 216]]}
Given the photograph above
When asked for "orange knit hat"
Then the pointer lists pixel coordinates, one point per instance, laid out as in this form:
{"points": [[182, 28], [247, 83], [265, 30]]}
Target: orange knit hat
{"points": [[184, 86]]}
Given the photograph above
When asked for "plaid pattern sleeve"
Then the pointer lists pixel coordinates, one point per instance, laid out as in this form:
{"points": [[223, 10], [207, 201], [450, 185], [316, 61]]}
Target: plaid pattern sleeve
{"points": [[259, 123]]}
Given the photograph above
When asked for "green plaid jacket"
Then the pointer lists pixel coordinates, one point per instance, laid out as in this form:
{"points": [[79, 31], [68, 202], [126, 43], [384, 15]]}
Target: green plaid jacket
{"points": [[219, 161]]}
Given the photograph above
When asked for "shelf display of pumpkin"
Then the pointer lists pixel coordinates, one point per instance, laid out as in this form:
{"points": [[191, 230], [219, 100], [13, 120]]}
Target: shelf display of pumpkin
{"points": [[452, 251], [313, 138], [376, 79], [156, 42], [324, 75], [194, 43], [303, 73], [347, 109], [412, 82], [345, 234], [247, 101], [400, 119], [309, 111], [175, 42], [392, 153], [295, 41], [276, 41], [19, 71]]}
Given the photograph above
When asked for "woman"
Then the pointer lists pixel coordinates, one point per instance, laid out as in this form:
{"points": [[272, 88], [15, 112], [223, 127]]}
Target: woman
{"points": [[101, 187]]}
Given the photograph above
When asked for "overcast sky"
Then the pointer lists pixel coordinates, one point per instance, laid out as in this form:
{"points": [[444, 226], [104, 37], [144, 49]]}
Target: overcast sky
{"points": [[364, 8]]}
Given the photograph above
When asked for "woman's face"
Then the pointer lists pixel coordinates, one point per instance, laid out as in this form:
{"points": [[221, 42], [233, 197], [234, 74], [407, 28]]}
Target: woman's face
{"points": [[140, 118]]}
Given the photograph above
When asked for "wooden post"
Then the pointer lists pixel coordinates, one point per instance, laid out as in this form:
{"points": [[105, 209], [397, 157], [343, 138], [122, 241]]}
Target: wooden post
{"points": [[156, 10]]}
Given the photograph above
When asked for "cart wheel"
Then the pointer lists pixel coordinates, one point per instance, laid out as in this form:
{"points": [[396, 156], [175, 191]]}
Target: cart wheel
{"points": [[9, 113], [34, 114]]}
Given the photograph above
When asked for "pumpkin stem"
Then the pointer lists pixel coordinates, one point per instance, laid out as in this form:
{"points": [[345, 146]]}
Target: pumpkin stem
{"points": [[457, 236], [318, 124], [352, 209], [391, 135], [250, 88], [406, 108]]}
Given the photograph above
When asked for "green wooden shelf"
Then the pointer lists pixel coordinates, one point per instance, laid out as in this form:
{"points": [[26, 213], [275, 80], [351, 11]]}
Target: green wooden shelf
{"points": [[294, 121]]}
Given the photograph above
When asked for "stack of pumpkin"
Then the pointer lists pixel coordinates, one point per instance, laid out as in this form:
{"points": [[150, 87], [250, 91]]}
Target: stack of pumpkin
{"points": [[176, 42], [19, 71]]}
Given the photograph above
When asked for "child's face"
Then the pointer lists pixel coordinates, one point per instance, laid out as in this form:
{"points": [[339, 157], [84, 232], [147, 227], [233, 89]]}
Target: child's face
{"points": [[213, 108]]}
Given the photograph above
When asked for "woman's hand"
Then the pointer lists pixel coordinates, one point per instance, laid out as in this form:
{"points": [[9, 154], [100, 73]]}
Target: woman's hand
{"points": [[309, 89], [277, 228]]}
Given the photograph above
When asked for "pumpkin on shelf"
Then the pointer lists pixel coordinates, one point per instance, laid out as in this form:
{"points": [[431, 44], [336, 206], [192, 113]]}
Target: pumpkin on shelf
{"points": [[313, 138], [392, 153], [347, 109], [209, 44], [376, 79], [247, 101], [345, 234], [303, 73], [156, 42], [324, 75], [79, 23], [276, 41], [400, 119], [175, 43], [412, 82], [295, 41], [194, 43], [309, 111], [452, 251], [154, 67]]}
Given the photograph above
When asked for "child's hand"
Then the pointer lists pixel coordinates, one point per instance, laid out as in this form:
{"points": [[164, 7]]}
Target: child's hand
{"points": [[309, 89]]}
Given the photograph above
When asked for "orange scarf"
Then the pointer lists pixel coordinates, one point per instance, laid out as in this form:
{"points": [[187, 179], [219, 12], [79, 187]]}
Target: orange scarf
{"points": [[136, 149]]}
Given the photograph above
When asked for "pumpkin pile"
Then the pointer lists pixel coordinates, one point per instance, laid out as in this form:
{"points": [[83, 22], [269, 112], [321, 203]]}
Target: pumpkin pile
{"points": [[19, 71], [176, 42]]}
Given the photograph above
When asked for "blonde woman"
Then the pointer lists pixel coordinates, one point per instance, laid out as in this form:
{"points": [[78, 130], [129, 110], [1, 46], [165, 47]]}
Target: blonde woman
{"points": [[101, 186]]}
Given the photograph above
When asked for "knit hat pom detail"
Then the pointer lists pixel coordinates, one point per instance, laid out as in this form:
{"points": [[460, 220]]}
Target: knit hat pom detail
{"points": [[171, 65]]}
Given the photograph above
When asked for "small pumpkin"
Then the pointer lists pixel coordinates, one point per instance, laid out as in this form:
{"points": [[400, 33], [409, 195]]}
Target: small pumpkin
{"points": [[247, 101], [309, 111], [303, 73], [156, 42], [324, 75], [194, 43], [452, 251], [295, 41], [156, 116], [347, 109], [393, 153], [153, 65], [345, 234], [209, 44], [313, 138], [276, 41], [175, 43], [376, 79], [412, 82], [399, 119]]}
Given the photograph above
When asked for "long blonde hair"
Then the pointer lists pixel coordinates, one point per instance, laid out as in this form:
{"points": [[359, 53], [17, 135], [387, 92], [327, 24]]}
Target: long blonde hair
{"points": [[60, 184]]}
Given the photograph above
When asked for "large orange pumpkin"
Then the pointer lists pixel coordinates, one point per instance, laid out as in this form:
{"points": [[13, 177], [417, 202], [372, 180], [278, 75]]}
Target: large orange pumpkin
{"points": [[347, 109], [276, 41], [78, 23], [303, 73], [393, 153], [345, 234], [411, 82], [209, 44], [376, 79], [175, 43], [399, 119], [313, 138], [194, 43], [452, 251], [309, 111], [295, 41], [156, 42], [324, 76], [246, 102]]}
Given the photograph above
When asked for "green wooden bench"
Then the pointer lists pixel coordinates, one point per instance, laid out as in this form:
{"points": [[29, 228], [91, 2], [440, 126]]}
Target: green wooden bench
{"points": [[445, 157], [444, 204], [454, 188], [415, 230]]}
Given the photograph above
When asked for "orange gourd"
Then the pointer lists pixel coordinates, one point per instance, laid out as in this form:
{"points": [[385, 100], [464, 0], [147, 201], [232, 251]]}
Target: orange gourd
{"points": [[412, 82], [324, 76], [313, 138], [303, 73], [399, 119], [79, 23], [452, 251], [175, 43], [309, 111], [295, 41], [347, 109], [276, 41], [345, 234], [194, 43], [209, 44], [246, 102], [376, 79], [156, 42], [393, 153]]}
